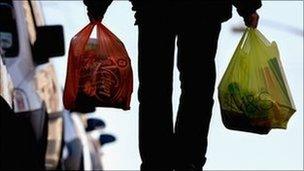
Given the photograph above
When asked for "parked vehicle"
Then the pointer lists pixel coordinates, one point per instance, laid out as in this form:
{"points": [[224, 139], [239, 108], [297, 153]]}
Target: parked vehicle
{"points": [[35, 107], [36, 132]]}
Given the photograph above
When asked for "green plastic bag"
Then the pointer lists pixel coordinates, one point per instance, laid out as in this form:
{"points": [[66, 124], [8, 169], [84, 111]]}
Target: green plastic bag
{"points": [[254, 95]]}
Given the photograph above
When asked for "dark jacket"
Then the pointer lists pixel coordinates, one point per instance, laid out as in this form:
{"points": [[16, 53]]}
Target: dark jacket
{"points": [[220, 10]]}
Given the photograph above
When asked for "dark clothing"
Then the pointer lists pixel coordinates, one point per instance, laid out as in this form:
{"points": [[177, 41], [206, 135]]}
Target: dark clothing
{"points": [[160, 147], [220, 10]]}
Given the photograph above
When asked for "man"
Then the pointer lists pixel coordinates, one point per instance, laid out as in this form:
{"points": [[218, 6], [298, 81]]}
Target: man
{"points": [[195, 24]]}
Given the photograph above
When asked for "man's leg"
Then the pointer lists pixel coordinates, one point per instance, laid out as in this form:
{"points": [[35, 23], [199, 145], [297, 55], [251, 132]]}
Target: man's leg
{"points": [[196, 51], [155, 69]]}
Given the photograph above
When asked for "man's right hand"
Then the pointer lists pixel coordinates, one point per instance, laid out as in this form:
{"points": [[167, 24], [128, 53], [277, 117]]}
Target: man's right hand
{"points": [[252, 20], [97, 8]]}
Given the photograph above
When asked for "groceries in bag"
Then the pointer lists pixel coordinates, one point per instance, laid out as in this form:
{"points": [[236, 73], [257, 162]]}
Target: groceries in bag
{"points": [[253, 93]]}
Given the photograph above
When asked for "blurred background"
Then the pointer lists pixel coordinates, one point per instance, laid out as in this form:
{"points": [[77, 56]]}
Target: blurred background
{"points": [[280, 21]]}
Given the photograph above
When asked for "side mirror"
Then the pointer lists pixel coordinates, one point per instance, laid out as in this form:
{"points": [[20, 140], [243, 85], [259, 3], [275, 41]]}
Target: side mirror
{"points": [[106, 138], [94, 123], [49, 43]]}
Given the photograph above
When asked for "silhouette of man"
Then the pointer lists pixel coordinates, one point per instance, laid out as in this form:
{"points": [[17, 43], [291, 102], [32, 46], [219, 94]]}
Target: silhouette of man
{"points": [[195, 25]]}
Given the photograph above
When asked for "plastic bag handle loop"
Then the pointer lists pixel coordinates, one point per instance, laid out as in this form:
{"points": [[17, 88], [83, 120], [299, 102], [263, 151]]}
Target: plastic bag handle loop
{"points": [[244, 38]]}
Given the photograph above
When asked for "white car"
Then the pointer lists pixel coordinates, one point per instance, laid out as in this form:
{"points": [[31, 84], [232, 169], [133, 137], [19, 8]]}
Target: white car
{"points": [[34, 133], [34, 96]]}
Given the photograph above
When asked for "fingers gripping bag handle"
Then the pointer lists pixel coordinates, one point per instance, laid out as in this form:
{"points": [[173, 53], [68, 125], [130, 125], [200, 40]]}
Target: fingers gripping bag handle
{"points": [[77, 46]]}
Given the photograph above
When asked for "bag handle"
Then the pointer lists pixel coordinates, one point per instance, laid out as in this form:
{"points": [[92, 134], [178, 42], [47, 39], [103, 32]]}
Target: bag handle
{"points": [[244, 38], [80, 40], [261, 37]]}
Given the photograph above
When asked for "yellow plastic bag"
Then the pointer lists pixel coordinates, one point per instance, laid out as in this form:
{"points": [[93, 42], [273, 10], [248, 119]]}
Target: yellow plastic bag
{"points": [[254, 95]]}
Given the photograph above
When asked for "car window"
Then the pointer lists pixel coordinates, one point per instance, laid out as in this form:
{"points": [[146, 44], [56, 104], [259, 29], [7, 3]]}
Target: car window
{"points": [[8, 29]]}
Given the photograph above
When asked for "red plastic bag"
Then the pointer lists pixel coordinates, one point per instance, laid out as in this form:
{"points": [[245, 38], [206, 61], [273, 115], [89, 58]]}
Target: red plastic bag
{"points": [[99, 72]]}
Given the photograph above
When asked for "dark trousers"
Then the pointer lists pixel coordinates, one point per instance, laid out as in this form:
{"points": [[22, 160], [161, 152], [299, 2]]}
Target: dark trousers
{"points": [[161, 146]]}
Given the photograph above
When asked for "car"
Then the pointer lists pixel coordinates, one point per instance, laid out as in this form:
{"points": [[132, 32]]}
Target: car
{"points": [[33, 103], [37, 133]]}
